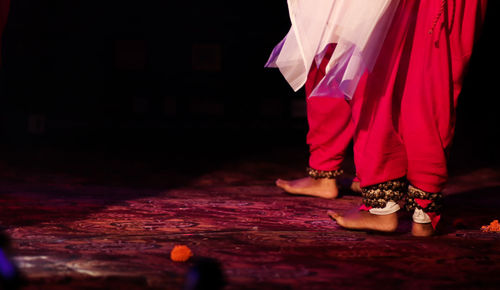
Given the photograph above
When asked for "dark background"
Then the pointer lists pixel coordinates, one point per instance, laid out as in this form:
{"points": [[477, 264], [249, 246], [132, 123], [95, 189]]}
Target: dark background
{"points": [[183, 77]]}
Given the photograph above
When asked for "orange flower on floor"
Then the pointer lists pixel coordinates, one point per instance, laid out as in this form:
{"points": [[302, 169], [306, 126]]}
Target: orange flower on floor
{"points": [[493, 227], [181, 253]]}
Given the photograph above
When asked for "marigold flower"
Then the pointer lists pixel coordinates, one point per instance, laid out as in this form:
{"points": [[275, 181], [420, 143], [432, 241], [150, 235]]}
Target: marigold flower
{"points": [[494, 226], [180, 253]]}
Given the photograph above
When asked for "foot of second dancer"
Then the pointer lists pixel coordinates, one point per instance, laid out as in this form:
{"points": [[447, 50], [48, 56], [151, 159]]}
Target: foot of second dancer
{"points": [[356, 186], [364, 220], [422, 230], [322, 187]]}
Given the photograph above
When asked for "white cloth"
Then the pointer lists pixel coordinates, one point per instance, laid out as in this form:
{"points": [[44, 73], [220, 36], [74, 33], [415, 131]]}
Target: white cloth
{"points": [[357, 27], [419, 216], [390, 207]]}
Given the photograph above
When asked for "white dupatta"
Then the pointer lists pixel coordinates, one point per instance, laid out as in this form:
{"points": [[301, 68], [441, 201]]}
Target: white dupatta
{"points": [[357, 27]]}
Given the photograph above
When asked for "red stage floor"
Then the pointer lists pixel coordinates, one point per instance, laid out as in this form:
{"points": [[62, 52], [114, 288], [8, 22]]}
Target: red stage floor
{"points": [[91, 223]]}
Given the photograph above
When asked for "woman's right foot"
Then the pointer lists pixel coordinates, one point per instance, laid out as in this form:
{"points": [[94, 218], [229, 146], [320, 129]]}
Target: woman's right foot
{"points": [[321, 187]]}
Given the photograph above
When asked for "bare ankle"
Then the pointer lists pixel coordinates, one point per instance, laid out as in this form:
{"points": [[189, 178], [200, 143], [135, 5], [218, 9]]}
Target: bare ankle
{"points": [[356, 187], [389, 222]]}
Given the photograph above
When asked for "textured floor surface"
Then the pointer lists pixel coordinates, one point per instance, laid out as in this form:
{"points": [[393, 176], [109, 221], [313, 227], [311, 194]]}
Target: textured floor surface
{"points": [[112, 224]]}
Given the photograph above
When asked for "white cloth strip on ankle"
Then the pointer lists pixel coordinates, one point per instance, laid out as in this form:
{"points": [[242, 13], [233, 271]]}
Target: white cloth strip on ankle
{"points": [[390, 207], [419, 216]]}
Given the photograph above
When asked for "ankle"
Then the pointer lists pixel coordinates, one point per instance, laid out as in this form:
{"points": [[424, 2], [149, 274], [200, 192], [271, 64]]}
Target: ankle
{"points": [[325, 181], [422, 229], [390, 221]]}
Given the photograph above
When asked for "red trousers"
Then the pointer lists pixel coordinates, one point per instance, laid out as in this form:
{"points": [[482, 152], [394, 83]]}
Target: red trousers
{"points": [[403, 112], [330, 124]]}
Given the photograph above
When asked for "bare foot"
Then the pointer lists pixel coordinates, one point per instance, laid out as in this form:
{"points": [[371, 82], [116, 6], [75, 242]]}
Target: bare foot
{"points": [[422, 230], [364, 220], [322, 187], [356, 187]]}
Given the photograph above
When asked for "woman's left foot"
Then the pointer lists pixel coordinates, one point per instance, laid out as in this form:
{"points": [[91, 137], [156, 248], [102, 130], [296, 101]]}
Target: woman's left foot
{"points": [[363, 220]]}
